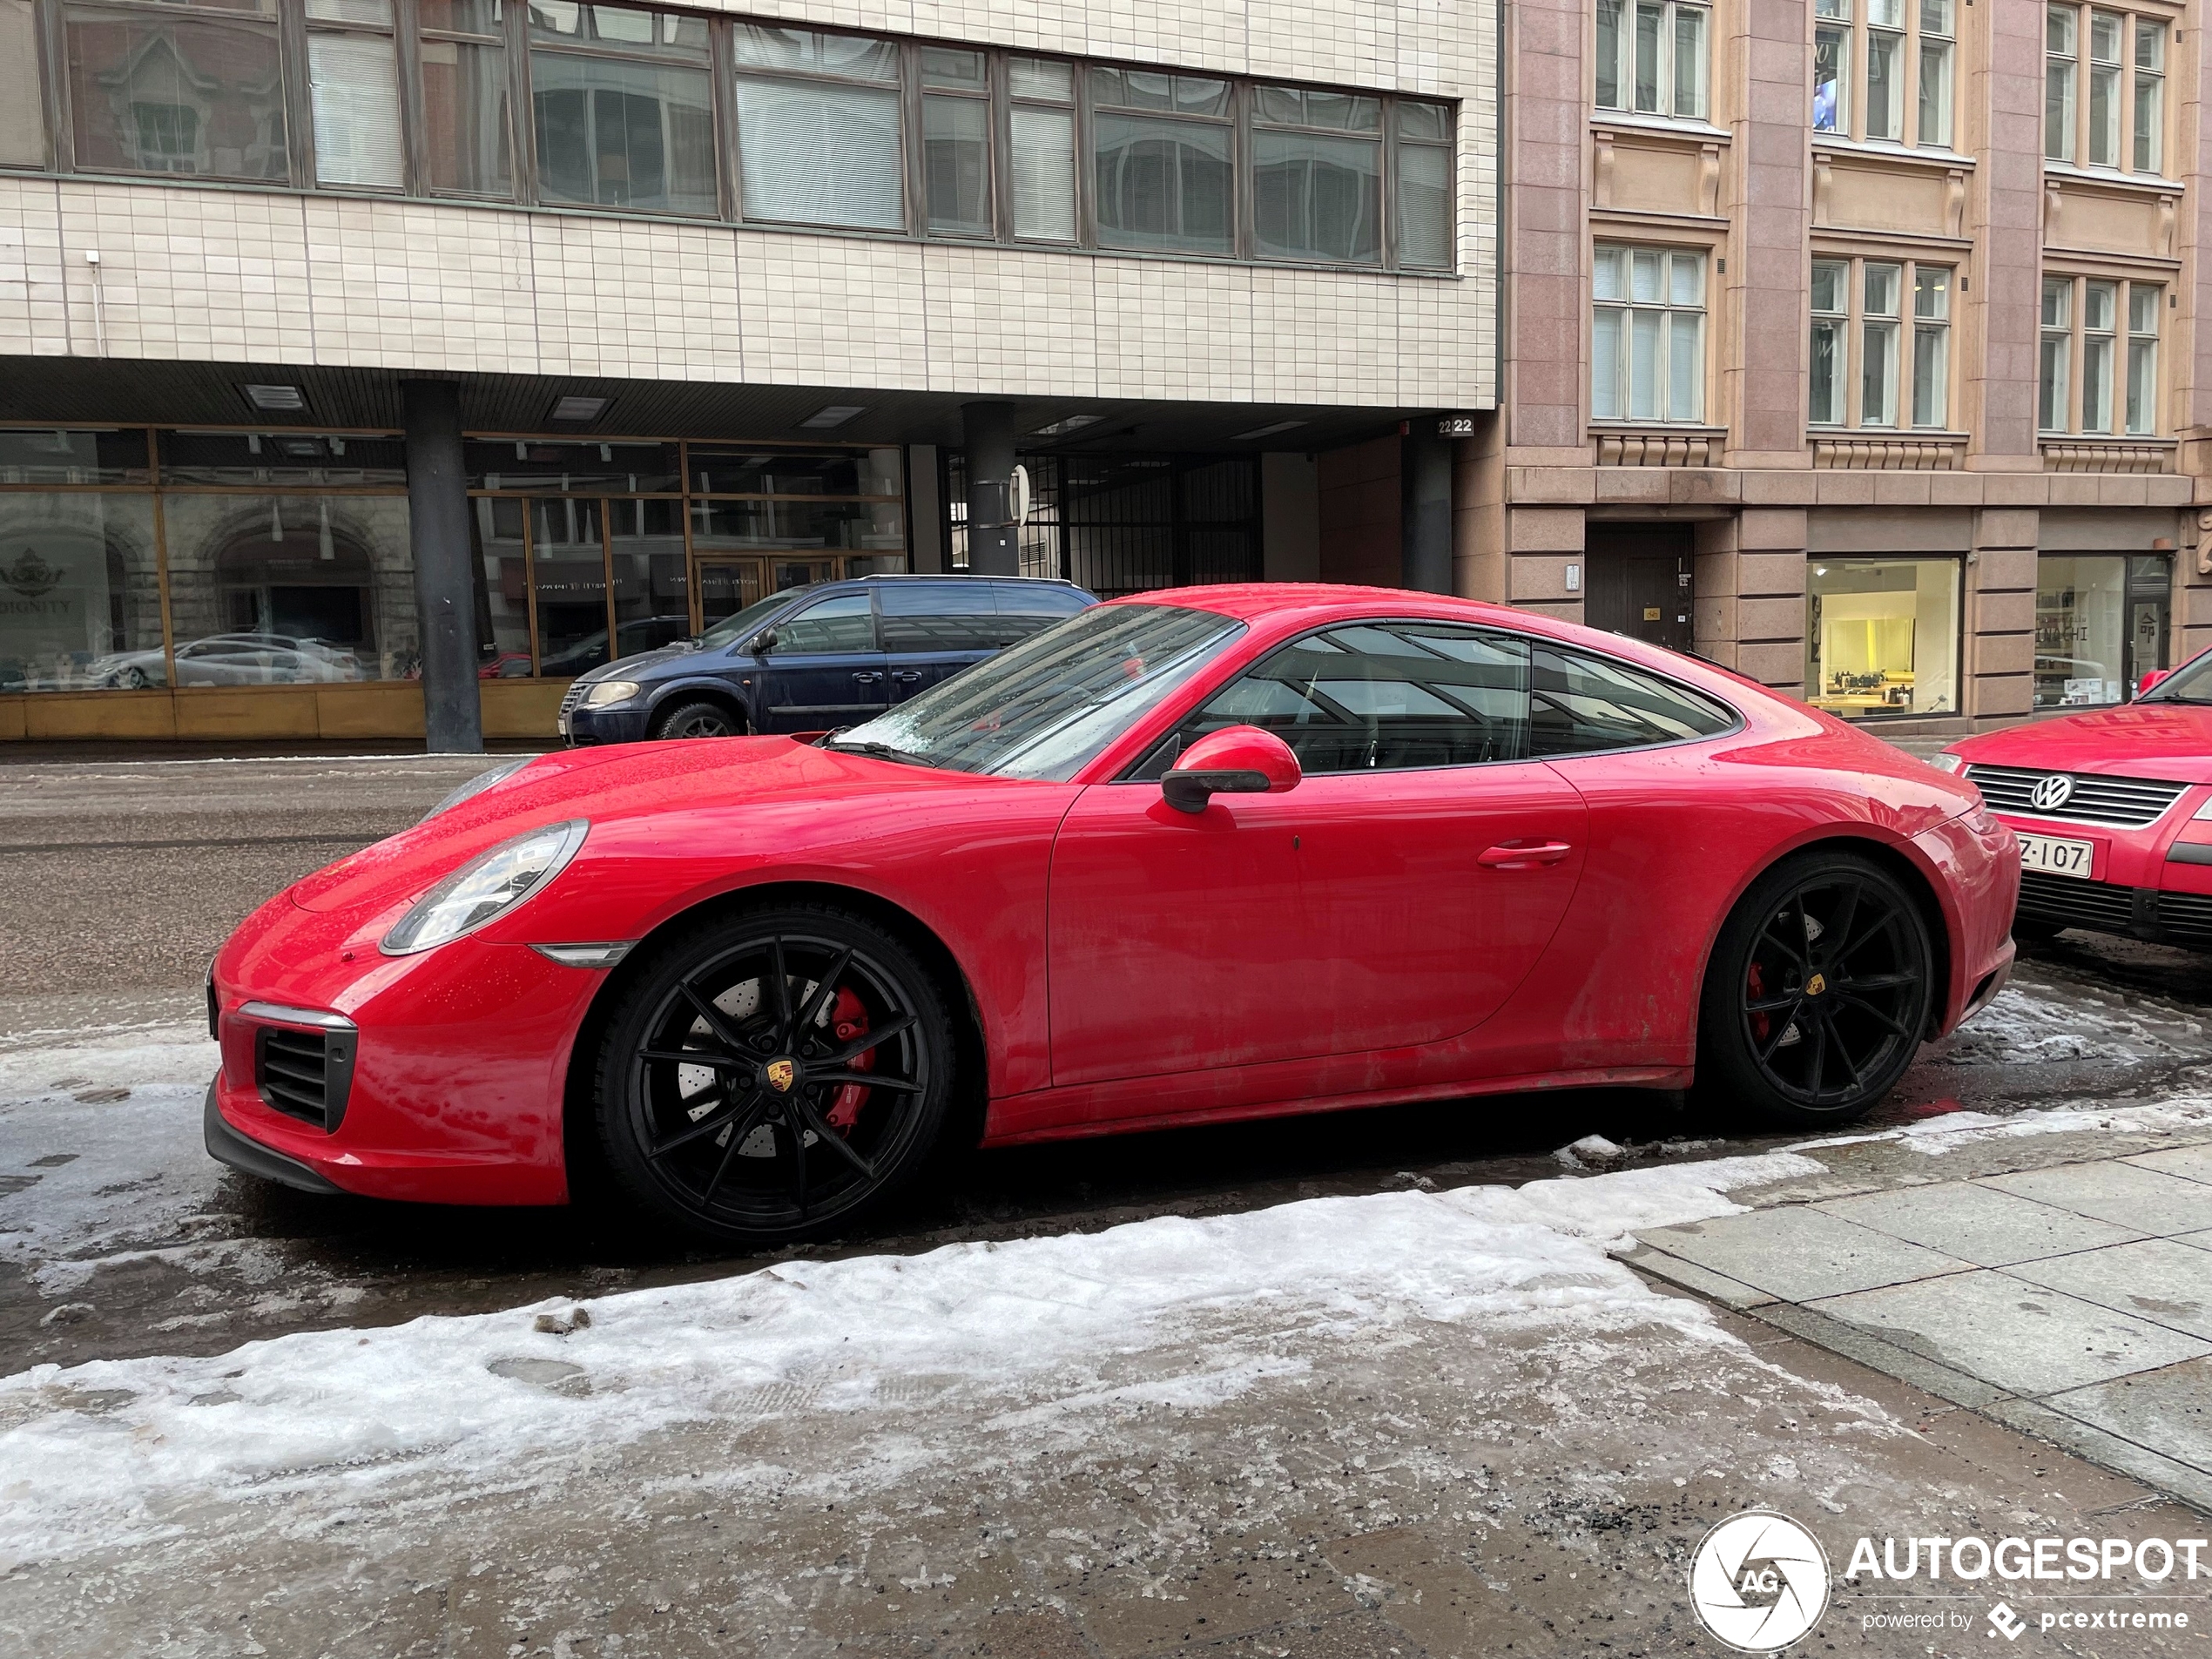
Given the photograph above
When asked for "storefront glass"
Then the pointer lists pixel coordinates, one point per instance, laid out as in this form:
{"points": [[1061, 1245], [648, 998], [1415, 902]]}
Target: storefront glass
{"points": [[2101, 621], [80, 597], [1882, 637]]}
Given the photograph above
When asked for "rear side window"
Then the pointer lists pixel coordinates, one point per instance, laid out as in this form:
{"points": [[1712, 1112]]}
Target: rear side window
{"points": [[1024, 608], [938, 616], [844, 622], [1580, 704]]}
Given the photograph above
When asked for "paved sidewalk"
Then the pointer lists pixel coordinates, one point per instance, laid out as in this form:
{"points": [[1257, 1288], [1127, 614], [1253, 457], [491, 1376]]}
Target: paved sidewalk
{"points": [[2059, 1283]]}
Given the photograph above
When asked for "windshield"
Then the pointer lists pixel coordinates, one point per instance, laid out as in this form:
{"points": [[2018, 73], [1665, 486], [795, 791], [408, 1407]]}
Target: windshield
{"points": [[1049, 705], [746, 622], [2191, 682]]}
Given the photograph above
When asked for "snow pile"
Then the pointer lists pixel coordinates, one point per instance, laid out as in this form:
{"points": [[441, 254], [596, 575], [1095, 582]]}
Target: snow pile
{"points": [[2024, 1026], [1936, 1136], [118, 1452]]}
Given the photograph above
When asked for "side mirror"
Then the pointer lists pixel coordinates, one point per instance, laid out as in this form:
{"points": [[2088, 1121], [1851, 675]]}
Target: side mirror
{"points": [[2150, 677], [762, 643], [1236, 760]]}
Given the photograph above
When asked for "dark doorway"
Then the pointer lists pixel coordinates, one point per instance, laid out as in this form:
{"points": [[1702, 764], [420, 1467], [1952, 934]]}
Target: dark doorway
{"points": [[1636, 581]]}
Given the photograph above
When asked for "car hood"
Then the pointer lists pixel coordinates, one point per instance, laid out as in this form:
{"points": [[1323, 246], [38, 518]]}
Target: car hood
{"points": [[2165, 740], [631, 667], [610, 786]]}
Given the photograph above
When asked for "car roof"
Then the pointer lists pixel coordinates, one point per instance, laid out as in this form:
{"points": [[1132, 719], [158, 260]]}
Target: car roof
{"points": [[948, 575]]}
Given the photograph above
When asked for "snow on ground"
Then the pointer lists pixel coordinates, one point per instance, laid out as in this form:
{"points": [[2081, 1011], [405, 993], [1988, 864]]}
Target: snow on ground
{"points": [[116, 1452], [1952, 1131], [2028, 1025]]}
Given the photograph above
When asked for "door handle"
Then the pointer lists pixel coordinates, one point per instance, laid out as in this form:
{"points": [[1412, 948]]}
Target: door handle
{"points": [[866, 678], [1524, 855], [907, 676]]}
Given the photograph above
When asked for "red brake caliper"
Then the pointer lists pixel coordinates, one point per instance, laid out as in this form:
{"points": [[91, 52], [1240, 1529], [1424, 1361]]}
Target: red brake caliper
{"points": [[1760, 1023], [849, 1018]]}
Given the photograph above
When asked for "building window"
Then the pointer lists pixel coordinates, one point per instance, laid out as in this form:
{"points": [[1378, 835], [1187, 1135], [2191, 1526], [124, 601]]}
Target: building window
{"points": [[83, 598], [1317, 175], [1042, 131], [622, 108], [1160, 154], [185, 89], [2104, 81], [1882, 637], [956, 141], [354, 88], [2092, 373], [23, 123], [1899, 372], [1652, 57], [818, 139], [2101, 622], [1880, 75], [468, 140], [1424, 151], [1647, 334]]}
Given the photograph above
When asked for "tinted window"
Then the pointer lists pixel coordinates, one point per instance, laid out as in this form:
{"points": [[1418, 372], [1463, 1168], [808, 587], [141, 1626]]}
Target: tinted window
{"points": [[1381, 696], [937, 616], [1024, 608], [1580, 704], [843, 622]]}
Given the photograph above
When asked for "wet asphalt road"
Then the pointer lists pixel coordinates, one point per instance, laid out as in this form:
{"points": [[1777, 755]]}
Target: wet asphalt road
{"points": [[130, 874]]}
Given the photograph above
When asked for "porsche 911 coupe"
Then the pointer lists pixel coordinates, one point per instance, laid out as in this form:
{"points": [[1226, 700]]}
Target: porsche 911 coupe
{"points": [[1218, 854]]}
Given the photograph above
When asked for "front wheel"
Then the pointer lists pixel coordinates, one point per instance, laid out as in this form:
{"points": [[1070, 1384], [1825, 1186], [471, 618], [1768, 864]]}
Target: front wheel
{"points": [[769, 1077], [1818, 992], [698, 719]]}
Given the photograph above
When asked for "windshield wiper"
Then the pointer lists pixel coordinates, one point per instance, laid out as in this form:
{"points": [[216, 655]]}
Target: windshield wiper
{"points": [[2194, 702], [879, 751]]}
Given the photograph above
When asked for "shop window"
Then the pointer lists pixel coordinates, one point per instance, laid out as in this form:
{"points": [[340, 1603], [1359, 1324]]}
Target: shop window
{"points": [[1652, 57], [191, 90], [553, 467], [622, 107], [1647, 334], [80, 599], [1882, 637], [353, 87], [1882, 75], [1042, 133], [503, 591], [23, 126], [2101, 622], [55, 455], [817, 128], [1317, 175], [651, 592], [2104, 88], [2098, 363], [310, 459], [716, 471], [1160, 155], [284, 589], [1860, 313], [468, 132]]}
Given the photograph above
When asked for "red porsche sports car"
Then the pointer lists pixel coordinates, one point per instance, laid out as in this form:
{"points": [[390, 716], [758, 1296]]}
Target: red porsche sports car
{"points": [[1217, 853], [2113, 812]]}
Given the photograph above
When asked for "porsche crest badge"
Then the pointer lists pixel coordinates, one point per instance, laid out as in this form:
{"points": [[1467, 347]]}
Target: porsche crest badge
{"points": [[779, 1074]]}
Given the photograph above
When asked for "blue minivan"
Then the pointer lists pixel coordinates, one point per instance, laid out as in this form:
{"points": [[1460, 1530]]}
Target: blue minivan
{"points": [[814, 659]]}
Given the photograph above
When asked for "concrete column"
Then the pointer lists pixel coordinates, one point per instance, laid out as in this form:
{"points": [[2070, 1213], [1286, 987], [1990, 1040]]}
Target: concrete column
{"points": [[925, 512], [988, 439], [445, 575], [1425, 487], [1543, 556], [1750, 611]]}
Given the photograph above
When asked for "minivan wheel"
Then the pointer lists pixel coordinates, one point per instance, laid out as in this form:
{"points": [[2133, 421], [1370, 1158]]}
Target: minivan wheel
{"points": [[1818, 992], [699, 719]]}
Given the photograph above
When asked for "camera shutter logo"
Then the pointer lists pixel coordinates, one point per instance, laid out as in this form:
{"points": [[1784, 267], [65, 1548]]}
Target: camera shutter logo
{"points": [[1759, 1581], [2051, 793]]}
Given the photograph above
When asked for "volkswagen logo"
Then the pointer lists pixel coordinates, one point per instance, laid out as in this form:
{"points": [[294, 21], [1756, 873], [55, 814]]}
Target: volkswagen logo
{"points": [[1759, 1581], [2051, 793]]}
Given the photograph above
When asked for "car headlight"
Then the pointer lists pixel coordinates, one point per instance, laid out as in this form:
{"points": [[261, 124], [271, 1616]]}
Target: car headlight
{"points": [[610, 692], [478, 785], [1948, 762], [486, 888]]}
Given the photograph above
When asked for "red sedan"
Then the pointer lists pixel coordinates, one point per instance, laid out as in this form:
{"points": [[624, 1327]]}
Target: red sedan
{"points": [[1227, 852], [2113, 811]]}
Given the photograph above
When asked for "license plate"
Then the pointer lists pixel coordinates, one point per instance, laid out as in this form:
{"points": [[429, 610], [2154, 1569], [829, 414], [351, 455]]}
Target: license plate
{"points": [[2056, 857], [562, 724]]}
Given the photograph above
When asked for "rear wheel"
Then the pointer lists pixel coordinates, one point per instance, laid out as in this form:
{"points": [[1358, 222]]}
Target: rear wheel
{"points": [[699, 719], [771, 1076], [1818, 992]]}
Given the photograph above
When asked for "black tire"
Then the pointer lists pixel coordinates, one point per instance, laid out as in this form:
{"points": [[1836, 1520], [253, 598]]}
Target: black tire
{"points": [[867, 1058], [700, 718], [1819, 993], [2028, 930], [134, 680]]}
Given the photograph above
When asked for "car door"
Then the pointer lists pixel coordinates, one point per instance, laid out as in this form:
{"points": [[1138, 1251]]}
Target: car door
{"points": [[1394, 899], [933, 630], [825, 669]]}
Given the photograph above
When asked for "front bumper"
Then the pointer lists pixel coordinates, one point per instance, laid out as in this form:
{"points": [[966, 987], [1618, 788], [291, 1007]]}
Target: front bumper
{"points": [[226, 1145], [582, 726], [2151, 883]]}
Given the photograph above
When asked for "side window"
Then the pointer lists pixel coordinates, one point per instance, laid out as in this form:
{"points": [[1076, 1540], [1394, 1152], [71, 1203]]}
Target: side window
{"points": [[1024, 609], [843, 622], [936, 616], [1379, 696], [1578, 705]]}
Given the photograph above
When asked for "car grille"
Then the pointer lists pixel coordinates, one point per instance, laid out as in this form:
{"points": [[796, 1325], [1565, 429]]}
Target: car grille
{"points": [[2128, 802], [570, 698], [2186, 918], [305, 1073], [2071, 902]]}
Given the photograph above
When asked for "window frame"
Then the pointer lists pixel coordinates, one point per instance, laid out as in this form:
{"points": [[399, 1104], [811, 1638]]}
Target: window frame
{"points": [[1906, 324], [1912, 36], [1669, 309], [2072, 145], [599, 50], [1668, 78], [2121, 337]]}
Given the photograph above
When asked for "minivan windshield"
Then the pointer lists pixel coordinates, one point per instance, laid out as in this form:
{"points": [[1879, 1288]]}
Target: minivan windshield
{"points": [[2190, 683], [746, 622], [1048, 706]]}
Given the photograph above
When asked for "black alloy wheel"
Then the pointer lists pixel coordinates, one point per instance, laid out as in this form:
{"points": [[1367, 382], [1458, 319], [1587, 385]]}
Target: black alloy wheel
{"points": [[1819, 992], [768, 1078], [698, 719]]}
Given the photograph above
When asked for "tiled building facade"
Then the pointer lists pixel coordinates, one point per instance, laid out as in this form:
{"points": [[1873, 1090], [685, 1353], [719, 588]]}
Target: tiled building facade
{"points": [[699, 303], [1853, 343]]}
